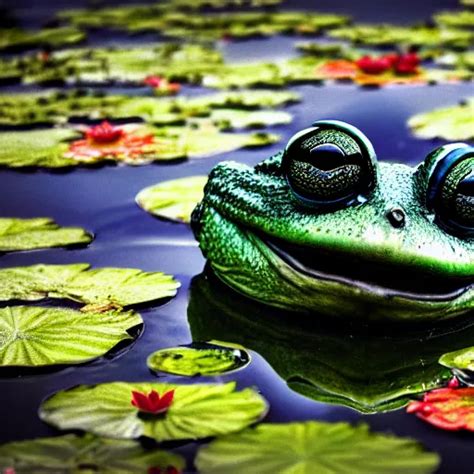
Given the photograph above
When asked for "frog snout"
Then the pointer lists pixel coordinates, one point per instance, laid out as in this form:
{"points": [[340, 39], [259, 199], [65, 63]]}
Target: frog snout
{"points": [[397, 217]]}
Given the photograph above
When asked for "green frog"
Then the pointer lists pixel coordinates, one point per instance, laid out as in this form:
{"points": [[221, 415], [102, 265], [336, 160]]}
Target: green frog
{"points": [[323, 228]]}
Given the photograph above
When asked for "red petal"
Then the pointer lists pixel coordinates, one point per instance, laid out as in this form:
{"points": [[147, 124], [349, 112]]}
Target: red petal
{"points": [[140, 400]]}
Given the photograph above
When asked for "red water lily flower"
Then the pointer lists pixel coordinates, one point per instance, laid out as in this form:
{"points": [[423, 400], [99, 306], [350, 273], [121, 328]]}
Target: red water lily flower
{"points": [[167, 470], [152, 403], [447, 408], [407, 63], [161, 84], [107, 141], [371, 65], [104, 133]]}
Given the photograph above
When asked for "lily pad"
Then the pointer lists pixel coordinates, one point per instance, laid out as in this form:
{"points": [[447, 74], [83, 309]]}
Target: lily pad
{"points": [[461, 61], [450, 123], [114, 287], [33, 336], [314, 447], [462, 359], [446, 408], [202, 359], [19, 40], [455, 19], [197, 411], [37, 233], [174, 199], [137, 145], [71, 453], [392, 35], [228, 119]]}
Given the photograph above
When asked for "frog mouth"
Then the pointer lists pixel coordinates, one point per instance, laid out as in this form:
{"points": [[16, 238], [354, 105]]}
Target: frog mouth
{"points": [[387, 280]]}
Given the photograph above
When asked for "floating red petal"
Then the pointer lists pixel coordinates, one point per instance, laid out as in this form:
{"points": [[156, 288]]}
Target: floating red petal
{"points": [[152, 403]]}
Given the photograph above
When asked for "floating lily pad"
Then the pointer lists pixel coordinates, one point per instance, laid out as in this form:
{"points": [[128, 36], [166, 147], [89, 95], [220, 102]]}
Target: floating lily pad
{"points": [[446, 408], [33, 336], [392, 35], [455, 19], [204, 359], [227, 119], [197, 411], [462, 359], [314, 447], [449, 123], [16, 39], [71, 453], [461, 61], [115, 287], [138, 145], [174, 199], [37, 233], [58, 107]]}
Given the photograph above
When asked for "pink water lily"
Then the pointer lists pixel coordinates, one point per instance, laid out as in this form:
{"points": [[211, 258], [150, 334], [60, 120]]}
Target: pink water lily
{"points": [[161, 84], [106, 141], [153, 403]]}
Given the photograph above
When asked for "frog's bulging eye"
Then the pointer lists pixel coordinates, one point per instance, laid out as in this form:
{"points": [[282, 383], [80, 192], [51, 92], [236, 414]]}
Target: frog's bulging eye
{"points": [[450, 190], [332, 164]]}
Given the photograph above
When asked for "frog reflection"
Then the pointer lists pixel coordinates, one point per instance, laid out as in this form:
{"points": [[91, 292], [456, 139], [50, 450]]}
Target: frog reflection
{"points": [[369, 368]]}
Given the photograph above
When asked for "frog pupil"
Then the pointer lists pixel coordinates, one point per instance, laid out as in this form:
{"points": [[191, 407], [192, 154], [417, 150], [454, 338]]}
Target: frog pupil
{"points": [[327, 156], [466, 186]]}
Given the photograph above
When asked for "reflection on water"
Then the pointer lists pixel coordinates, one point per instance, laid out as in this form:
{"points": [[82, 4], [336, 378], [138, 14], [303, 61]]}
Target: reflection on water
{"points": [[368, 368]]}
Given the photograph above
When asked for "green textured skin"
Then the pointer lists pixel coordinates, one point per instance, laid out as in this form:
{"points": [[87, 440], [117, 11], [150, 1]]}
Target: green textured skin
{"points": [[242, 203]]}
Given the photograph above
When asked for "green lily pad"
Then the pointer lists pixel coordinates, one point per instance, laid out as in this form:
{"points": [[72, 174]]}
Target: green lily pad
{"points": [[461, 61], [37, 233], [449, 123], [33, 336], [71, 453], [314, 447], [455, 19], [142, 145], [174, 199], [197, 411], [204, 359], [227, 119], [115, 287], [392, 35], [462, 359], [16, 39]]}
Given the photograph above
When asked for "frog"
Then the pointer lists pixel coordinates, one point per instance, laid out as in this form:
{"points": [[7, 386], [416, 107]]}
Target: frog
{"points": [[324, 228]]}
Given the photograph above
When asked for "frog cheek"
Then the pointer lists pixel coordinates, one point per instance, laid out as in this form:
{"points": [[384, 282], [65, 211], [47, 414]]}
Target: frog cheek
{"points": [[330, 165], [450, 190]]}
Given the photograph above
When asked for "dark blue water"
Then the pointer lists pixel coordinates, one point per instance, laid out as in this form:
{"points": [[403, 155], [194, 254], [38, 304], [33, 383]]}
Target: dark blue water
{"points": [[102, 200]]}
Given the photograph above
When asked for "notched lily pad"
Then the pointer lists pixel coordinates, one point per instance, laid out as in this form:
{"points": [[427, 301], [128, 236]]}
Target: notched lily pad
{"points": [[314, 447], [106, 287], [450, 123], [33, 336], [197, 411], [202, 359], [71, 453], [174, 199], [36, 233]]}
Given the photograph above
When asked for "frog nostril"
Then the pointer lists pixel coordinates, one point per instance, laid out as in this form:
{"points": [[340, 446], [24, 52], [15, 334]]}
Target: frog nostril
{"points": [[396, 216]]}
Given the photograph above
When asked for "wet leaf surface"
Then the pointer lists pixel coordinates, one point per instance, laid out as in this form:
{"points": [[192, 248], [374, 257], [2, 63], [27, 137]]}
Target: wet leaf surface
{"points": [[71, 453], [197, 411], [314, 447], [36, 233], [33, 336]]}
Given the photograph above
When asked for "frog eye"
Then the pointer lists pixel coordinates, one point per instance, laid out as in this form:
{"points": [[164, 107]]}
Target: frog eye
{"points": [[450, 189], [331, 164]]}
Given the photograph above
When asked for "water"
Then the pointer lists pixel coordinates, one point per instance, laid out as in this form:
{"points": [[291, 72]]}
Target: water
{"points": [[102, 200]]}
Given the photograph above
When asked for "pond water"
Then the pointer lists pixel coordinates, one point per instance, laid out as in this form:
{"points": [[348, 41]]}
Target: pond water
{"points": [[102, 200]]}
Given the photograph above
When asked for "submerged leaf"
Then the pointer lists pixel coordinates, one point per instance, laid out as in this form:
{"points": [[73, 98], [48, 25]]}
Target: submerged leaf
{"points": [[71, 453], [197, 411], [199, 359], [77, 282], [314, 447], [462, 359], [174, 199], [32, 336], [36, 233], [446, 408], [449, 123]]}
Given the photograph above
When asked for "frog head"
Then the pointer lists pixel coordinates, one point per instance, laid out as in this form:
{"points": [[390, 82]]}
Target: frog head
{"points": [[323, 228]]}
